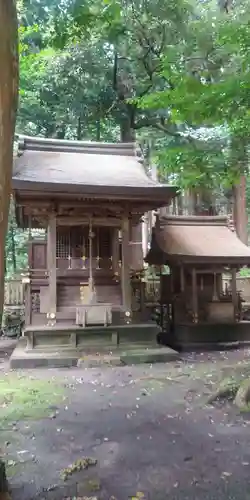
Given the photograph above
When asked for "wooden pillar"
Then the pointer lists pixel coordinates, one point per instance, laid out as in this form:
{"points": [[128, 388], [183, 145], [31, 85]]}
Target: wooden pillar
{"points": [[136, 250], [194, 295], [234, 292], [215, 290], [145, 234], [182, 279], [28, 304], [126, 286], [219, 283], [51, 266], [91, 236], [115, 251]]}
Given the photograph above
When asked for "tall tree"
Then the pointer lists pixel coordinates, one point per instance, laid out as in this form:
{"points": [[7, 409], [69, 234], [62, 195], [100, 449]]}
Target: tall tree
{"points": [[8, 106], [210, 82], [136, 44]]}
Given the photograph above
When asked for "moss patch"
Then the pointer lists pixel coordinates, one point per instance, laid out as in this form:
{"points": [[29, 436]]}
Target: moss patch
{"points": [[23, 397]]}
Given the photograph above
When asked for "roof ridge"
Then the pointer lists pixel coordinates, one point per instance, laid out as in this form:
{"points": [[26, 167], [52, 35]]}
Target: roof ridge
{"points": [[194, 220], [28, 143]]}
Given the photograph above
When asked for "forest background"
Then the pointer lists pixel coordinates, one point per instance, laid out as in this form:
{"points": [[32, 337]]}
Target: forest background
{"points": [[172, 74]]}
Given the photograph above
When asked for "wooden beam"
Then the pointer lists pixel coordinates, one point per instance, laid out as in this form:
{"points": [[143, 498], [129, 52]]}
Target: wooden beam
{"points": [[42, 199], [126, 286], [97, 221], [194, 295], [51, 264]]}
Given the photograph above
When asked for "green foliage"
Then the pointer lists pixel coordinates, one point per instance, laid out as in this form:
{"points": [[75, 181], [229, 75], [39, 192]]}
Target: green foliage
{"points": [[209, 77], [104, 42], [174, 72], [16, 246]]}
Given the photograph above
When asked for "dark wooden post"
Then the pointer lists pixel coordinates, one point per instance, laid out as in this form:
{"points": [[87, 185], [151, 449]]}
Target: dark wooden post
{"points": [[182, 279], [219, 283], [234, 292], [194, 295], [126, 287], [51, 266], [28, 303], [115, 251]]}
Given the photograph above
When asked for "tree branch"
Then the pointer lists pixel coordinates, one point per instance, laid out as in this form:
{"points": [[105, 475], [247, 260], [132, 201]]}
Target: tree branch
{"points": [[154, 123], [147, 122]]}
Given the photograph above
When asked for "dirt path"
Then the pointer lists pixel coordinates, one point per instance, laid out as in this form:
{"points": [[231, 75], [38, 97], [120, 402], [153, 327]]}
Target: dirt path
{"points": [[149, 430]]}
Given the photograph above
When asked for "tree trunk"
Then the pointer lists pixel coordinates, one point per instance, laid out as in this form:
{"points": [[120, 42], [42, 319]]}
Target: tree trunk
{"points": [[126, 130], [98, 130], [207, 202], [239, 160], [79, 128], [200, 202], [240, 210], [191, 197], [61, 132], [8, 106]]}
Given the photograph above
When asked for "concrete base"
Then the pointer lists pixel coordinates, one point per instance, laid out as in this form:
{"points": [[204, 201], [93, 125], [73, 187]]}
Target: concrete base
{"points": [[65, 358], [98, 338], [205, 337], [22, 359]]}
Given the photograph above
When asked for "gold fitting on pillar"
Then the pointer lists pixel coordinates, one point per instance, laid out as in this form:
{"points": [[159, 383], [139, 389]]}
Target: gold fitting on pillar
{"points": [[195, 318], [51, 318], [128, 317]]}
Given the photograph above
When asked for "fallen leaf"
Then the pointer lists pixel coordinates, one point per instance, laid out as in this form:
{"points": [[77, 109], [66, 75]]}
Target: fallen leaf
{"points": [[11, 463], [53, 415], [226, 474]]}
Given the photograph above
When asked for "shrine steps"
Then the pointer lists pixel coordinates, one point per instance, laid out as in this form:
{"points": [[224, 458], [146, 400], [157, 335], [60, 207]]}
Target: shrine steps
{"points": [[136, 344], [22, 359]]}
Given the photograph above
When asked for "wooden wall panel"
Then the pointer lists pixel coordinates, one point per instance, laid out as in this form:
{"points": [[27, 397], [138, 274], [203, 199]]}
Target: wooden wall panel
{"points": [[37, 255]]}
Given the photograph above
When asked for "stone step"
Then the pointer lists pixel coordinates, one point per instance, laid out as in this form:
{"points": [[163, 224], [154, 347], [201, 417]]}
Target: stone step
{"points": [[60, 357], [149, 355]]}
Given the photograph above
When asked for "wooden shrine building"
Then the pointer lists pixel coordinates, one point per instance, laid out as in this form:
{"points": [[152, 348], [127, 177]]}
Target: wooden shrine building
{"points": [[90, 199], [197, 309]]}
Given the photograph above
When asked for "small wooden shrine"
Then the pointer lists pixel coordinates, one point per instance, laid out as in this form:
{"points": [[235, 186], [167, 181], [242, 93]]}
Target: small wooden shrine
{"points": [[90, 199], [197, 309]]}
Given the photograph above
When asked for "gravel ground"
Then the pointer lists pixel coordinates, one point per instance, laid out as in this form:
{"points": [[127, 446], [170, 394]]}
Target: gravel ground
{"points": [[148, 428]]}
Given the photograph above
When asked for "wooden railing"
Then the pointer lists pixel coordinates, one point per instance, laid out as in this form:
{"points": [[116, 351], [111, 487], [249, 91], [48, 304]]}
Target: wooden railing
{"points": [[152, 290], [14, 292], [242, 284]]}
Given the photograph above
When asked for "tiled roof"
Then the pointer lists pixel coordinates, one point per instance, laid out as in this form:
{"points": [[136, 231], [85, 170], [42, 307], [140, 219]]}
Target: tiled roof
{"points": [[198, 239], [51, 162]]}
